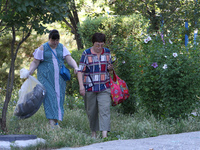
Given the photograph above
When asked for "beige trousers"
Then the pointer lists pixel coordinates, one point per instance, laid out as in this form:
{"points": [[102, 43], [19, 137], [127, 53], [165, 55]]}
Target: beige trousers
{"points": [[97, 105]]}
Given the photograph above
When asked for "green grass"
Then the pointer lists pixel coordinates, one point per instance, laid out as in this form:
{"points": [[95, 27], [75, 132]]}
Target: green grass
{"points": [[75, 131]]}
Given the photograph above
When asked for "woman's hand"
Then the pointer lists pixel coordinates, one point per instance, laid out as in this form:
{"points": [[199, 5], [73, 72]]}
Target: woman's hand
{"points": [[24, 73], [75, 70], [80, 81], [110, 67], [82, 90]]}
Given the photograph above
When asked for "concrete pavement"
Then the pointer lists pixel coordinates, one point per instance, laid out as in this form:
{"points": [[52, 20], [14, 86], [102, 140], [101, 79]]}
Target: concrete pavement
{"points": [[182, 141]]}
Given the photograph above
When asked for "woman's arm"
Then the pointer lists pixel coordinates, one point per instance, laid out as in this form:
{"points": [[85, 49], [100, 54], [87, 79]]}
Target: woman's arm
{"points": [[34, 64], [80, 81], [70, 61]]}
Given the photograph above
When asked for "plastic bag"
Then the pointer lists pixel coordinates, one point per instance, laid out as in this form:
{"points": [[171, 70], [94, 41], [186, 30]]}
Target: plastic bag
{"points": [[24, 73], [31, 96]]}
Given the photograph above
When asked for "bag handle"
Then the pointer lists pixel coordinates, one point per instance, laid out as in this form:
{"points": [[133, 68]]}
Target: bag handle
{"points": [[114, 76], [53, 53], [90, 77]]}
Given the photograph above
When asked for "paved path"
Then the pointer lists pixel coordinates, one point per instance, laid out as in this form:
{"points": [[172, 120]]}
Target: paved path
{"points": [[183, 141]]}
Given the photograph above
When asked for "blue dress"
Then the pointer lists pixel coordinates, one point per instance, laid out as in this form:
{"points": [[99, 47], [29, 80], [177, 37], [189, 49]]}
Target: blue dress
{"points": [[49, 77]]}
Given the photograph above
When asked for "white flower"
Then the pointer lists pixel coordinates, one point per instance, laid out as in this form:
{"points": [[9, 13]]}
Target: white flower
{"points": [[195, 31], [170, 41], [141, 33], [175, 54], [123, 62], [146, 41], [165, 56], [149, 38], [165, 66]]}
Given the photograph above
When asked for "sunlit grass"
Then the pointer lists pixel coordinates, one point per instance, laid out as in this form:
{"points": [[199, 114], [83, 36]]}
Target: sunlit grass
{"points": [[75, 131]]}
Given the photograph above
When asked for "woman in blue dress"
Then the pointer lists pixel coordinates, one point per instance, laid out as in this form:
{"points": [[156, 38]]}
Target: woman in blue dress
{"points": [[48, 74]]}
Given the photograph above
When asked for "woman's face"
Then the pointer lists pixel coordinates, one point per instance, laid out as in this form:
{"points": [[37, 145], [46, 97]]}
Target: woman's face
{"points": [[53, 42], [98, 46]]}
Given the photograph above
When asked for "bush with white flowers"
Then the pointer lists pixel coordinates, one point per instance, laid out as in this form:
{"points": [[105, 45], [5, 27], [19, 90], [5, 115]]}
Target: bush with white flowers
{"points": [[168, 77]]}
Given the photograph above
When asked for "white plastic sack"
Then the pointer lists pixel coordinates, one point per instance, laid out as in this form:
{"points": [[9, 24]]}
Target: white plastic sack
{"points": [[31, 95], [24, 73]]}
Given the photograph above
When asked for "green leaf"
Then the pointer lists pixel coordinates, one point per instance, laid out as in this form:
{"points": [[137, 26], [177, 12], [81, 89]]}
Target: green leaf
{"points": [[26, 3], [19, 9], [24, 8], [56, 10], [146, 89]]}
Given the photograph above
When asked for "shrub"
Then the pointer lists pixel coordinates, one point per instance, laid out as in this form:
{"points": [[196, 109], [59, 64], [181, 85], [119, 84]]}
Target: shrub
{"points": [[169, 77], [116, 28]]}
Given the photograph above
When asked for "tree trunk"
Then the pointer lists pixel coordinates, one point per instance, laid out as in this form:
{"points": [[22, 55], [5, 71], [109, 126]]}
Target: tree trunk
{"points": [[78, 40], [9, 84], [73, 16], [75, 32], [76, 22], [8, 95], [11, 76]]}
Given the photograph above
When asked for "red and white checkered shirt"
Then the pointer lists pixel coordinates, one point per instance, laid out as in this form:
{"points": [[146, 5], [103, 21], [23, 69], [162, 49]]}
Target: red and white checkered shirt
{"points": [[96, 76]]}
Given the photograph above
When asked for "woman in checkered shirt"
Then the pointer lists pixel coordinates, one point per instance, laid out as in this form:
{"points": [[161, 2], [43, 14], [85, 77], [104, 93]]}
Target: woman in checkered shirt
{"points": [[94, 84]]}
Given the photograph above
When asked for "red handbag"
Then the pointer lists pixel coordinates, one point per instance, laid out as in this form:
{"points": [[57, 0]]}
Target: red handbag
{"points": [[119, 90]]}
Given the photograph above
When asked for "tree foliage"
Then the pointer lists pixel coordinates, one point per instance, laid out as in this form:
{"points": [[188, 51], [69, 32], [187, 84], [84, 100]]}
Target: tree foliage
{"points": [[35, 13], [164, 16]]}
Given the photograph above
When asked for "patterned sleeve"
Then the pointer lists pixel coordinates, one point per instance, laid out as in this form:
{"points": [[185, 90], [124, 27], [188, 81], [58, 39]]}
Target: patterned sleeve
{"points": [[82, 64], [38, 54], [65, 52], [110, 57]]}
